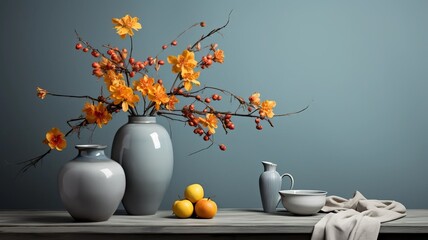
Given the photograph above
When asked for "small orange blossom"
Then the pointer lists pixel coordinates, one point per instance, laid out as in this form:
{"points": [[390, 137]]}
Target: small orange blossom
{"points": [[55, 139]]}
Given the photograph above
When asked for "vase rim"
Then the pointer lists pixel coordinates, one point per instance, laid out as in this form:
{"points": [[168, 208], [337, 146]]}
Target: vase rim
{"points": [[142, 119], [90, 146]]}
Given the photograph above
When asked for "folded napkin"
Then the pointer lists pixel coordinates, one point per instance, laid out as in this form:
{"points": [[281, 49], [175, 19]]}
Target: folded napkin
{"points": [[355, 219]]}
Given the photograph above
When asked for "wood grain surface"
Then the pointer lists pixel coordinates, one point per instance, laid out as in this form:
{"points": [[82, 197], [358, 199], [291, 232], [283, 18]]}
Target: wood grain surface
{"points": [[227, 224]]}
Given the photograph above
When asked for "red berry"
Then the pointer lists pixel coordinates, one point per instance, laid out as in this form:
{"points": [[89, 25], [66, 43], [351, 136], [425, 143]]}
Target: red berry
{"points": [[215, 97], [85, 50], [160, 81], [259, 127], [110, 51], [207, 100], [78, 46], [174, 43], [219, 98], [96, 65], [257, 120], [206, 138], [149, 58], [198, 97], [132, 74], [231, 126], [114, 57], [228, 116], [131, 60], [196, 121], [250, 109], [202, 24], [222, 147], [161, 62], [97, 72], [164, 47], [95, 53], [192, 107]]}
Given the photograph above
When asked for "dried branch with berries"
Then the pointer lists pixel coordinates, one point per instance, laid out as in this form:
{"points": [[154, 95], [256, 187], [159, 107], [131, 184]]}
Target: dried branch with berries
{"points": [[129, 82]]}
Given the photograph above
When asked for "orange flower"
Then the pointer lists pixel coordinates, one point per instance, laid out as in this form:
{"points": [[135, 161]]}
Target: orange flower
{"points": [[113, 78], [41, 93], [189, 78], [96, 114], [266, 109], [157, 94], [171, 103], [125, 25], [144, 84], [55, 139], [255, 99], [210, 122], [219, 56], [183, 63], [124, 95]]}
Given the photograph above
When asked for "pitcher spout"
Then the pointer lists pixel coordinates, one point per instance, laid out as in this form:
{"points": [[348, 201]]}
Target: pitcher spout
{"points": [[269, 166]]}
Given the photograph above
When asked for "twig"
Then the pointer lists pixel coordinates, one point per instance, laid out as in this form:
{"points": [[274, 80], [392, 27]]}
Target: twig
{"points": [[203, 149]]}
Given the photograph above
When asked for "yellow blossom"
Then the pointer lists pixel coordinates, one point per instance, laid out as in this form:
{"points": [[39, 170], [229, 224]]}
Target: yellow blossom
{"points": [[190, 78], [55, 139], [144, 84], [210, 122], [103, 63], [255, 99], [157, 94], [41, 93], [113, 78], [96, 114], [171, 103], [122, 94], [183, 63], [219, 56], [125, 25], [266, 109]]}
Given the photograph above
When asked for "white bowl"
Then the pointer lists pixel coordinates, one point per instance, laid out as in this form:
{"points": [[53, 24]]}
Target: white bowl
{"points": [[303, 202]]}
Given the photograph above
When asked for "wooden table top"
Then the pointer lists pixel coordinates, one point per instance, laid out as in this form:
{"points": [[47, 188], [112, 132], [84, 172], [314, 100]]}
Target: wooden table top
{"points": [[227, 221]]}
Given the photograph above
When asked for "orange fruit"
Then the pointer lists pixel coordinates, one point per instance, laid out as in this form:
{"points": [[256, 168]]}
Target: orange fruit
{"points": [[205, 208]]}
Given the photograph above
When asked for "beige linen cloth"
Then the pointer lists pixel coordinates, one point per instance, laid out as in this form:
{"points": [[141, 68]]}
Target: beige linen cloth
{"points": [[355, 219]]}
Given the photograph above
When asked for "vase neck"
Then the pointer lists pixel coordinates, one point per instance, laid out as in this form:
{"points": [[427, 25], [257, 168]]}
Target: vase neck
{"points": [[141, 119], [91, 150]]}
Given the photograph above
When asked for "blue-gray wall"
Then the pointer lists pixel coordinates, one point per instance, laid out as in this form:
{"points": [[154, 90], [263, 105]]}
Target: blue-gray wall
{"points": [[362, 66]]}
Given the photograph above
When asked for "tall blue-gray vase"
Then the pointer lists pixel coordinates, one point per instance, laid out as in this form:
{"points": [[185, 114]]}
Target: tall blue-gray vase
{"points": [[144, 150]]}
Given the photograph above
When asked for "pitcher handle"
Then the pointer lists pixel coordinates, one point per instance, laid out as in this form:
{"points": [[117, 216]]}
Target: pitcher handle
{"points": [[292, 185], [291, 179]]}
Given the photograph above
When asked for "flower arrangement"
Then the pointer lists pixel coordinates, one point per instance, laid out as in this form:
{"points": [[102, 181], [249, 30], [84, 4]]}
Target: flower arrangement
{"points": [[132, 89]]}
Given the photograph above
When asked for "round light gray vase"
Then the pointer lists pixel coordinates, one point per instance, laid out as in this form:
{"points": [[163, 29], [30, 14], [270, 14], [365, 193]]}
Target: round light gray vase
{"points": [[144, 150], [91, 185]]}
